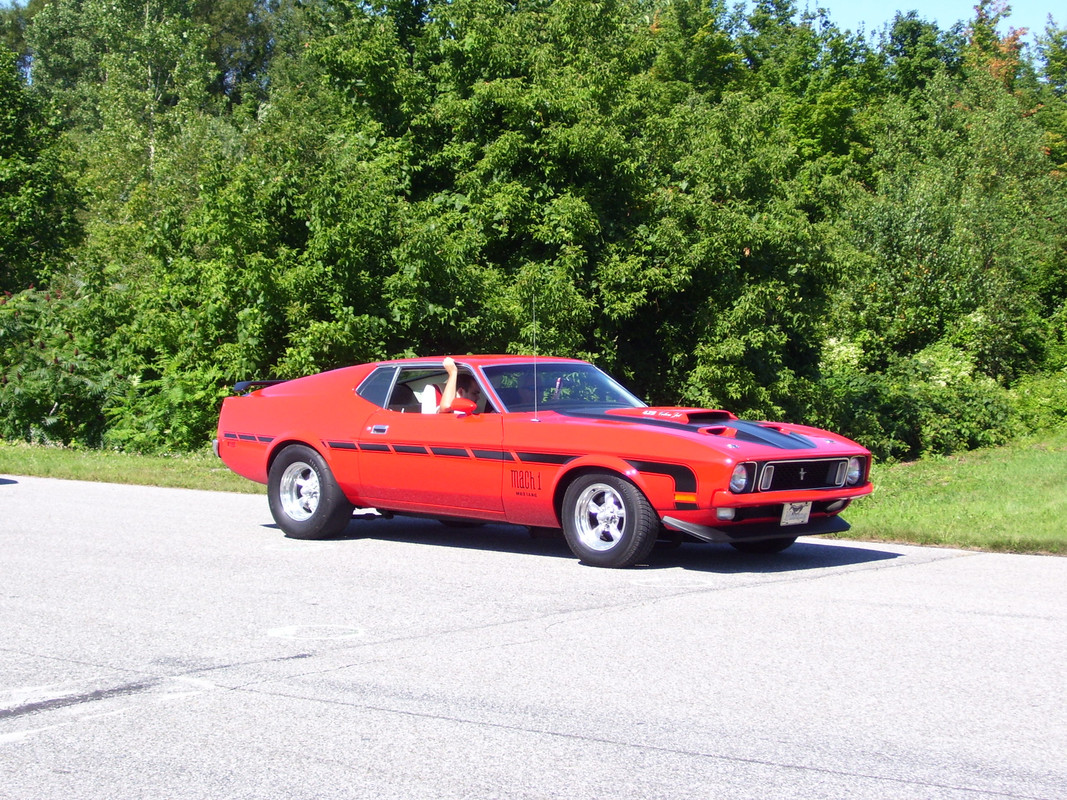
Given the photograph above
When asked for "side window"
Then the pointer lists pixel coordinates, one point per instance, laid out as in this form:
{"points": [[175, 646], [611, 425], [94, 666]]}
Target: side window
{"points": [[375, 389], [412, 390], [417, 390], [514, 386]]}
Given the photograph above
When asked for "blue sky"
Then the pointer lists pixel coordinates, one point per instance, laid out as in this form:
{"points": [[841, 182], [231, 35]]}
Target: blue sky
{"points": [[1030, 14], [850, 14]]}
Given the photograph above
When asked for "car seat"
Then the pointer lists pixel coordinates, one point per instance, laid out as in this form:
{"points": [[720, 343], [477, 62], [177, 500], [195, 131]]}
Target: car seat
{"points": [[404, 400], [431, 399]]}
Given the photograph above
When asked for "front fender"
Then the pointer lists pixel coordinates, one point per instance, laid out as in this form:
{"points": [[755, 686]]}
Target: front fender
{"points": [[654, 487]]}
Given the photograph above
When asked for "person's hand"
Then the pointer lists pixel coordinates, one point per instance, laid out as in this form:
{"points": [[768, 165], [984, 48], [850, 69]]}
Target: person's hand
{"points": [[450, 365]]}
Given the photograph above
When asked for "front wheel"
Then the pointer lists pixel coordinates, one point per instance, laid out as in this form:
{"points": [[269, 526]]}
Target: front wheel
{"points": [[608, 522], [304, 497]]}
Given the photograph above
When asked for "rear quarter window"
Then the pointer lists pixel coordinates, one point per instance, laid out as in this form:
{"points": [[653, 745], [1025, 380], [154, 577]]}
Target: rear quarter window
{"points": [[375, 389]]}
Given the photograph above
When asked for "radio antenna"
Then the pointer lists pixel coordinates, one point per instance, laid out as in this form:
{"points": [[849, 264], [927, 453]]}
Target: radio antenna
{"points": [[533, 310]]}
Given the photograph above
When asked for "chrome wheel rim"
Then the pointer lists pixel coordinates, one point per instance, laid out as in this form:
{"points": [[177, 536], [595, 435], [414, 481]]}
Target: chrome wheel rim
{"points": [[298, 491], [599, 517]]}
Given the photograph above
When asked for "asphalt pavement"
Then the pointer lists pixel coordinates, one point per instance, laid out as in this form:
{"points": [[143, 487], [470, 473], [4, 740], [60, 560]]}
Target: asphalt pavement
{"points": [[164, 643]]}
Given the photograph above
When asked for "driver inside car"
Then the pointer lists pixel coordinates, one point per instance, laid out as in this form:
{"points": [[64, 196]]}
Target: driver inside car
{"points": [[458, 387]]}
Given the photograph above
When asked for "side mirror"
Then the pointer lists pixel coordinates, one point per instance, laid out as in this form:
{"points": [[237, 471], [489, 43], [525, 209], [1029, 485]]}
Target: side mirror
{"points": [[464, 406]]}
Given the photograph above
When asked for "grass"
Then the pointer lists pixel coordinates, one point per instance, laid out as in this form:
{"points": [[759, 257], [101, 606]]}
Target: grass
{"points": [[188, 471], [1007, 499]]}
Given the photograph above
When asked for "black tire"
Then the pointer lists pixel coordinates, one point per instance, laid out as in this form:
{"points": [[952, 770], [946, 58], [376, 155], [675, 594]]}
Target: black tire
{"points": [[608, 522], [668, 540], [304, 498], [765, 546]]}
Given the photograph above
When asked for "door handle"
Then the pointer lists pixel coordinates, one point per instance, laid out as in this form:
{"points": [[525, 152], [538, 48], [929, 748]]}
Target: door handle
{"points": [[379, 429]]}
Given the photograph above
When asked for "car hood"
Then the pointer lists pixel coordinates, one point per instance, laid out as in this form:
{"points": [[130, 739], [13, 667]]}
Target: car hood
{"points": [[723, 426]]}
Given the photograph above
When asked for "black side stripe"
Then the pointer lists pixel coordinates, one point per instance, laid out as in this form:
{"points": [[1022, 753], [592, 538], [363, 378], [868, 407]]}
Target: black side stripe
{"points": [[453, 452], [248, 437], [685, 480], [493, 455], [374, 448], [450, 451], [545, 458]]}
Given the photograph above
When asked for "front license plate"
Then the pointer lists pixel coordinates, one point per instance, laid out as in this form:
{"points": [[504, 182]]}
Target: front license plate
{"points": [[795, 513]]}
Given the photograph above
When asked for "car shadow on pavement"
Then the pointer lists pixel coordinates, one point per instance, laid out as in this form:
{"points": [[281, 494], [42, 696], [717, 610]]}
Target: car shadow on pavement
{"points": [[7, 482], [806, 554]]}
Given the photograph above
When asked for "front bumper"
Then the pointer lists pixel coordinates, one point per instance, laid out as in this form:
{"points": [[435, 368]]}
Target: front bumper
{"points": [[757, 532]]}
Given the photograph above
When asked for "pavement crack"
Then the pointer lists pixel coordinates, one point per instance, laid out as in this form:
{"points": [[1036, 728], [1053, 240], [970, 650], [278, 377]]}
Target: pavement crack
{"points": [[95, 696], [652, 747]]}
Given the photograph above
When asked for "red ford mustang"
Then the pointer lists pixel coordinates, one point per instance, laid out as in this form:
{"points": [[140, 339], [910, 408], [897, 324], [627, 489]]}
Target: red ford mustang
{"points": [[552, 443]]}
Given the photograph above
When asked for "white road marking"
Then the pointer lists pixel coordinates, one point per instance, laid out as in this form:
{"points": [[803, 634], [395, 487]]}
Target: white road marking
{"points": [[315, 632]]}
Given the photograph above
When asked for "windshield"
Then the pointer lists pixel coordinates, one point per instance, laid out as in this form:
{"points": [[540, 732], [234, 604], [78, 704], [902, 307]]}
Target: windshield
{"points": [[557, 386]]}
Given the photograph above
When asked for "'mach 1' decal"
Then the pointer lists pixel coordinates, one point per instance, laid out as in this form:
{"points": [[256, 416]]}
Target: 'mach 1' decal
{"points": [[526, 482]]}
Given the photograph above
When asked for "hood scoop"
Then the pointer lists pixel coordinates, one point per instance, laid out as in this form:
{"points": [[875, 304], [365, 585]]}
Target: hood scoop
{"points": [[682, 416], [764, 433]]}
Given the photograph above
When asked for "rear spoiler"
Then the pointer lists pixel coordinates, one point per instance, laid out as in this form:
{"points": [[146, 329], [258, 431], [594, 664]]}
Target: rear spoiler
{"points": [[245, 387]]}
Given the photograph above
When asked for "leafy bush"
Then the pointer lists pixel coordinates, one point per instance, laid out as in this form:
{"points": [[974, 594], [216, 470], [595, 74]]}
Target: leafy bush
{"points": [[174, 413], [52, 389], [1040, 401], [1056, 341], [932, 403]]}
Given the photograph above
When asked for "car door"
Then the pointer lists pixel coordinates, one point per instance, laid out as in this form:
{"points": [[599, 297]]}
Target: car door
{"points": [[433, 463]]}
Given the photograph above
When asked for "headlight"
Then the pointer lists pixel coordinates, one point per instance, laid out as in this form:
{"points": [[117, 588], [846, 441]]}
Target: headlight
{"points": [[855, 471], [739, 479]]}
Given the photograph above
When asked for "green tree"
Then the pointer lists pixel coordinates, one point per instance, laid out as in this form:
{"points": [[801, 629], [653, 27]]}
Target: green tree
{"points": [[987, 49], [37, 205], [916, 50], [696, 45], [15, 19], [239, 45], [1052, 50], [962, 222], [1052, 97], [753, 210]]}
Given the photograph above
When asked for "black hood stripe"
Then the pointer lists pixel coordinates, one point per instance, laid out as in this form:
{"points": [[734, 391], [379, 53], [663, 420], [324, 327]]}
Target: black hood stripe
{"points": [[745, 431]]}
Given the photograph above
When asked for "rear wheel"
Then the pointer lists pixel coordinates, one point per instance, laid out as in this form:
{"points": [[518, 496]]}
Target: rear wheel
{"points": [[304, 497], [765, 546], [607, 521]]}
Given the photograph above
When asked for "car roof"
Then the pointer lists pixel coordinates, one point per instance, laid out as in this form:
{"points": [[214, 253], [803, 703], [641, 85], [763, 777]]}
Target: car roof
{"points": [[485, 360]]}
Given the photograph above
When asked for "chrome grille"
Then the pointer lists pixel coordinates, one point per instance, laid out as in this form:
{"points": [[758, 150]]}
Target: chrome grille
{"points": [[825, 473]]}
